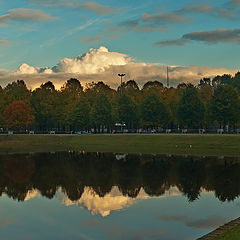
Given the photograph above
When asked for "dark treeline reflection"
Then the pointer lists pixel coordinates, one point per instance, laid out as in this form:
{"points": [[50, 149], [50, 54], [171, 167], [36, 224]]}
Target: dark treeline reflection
{"points": [[73, 171]]}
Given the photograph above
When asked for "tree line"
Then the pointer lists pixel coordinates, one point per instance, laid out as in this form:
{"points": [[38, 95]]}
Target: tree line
{"points": [[97, 107], [156, 174]]}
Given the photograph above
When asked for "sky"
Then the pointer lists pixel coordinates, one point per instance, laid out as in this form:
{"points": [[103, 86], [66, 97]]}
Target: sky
{"points": [[94, 40]]}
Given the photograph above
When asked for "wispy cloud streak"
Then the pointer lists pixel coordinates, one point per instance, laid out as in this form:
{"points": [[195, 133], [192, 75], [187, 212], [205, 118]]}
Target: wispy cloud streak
{"points": [[97, 8], [210, 37], [24, 14]]}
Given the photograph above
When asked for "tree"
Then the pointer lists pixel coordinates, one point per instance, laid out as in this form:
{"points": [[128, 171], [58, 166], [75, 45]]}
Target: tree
{"points": [[72, 87], [131, 89], [224, 106], [127, 111], [98, 88], [94, 90], [153, 87], [17, 91], [69, 97], [46, 107], [48, 86], [182, 86], [128, 87], [18, 115], [236, 82], [204, 81], [154, 112], [81, 115], [190, 110], [224, 79], [205, 92], [2, 106], [172, 98], [101, 115]]}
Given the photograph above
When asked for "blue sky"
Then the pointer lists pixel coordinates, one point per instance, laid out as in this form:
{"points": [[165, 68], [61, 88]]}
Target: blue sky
{"points": [[188, 32]]}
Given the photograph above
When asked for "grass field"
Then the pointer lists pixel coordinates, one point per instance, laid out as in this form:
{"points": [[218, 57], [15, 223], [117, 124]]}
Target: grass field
{"points": [[204, 145], [233, 234]]}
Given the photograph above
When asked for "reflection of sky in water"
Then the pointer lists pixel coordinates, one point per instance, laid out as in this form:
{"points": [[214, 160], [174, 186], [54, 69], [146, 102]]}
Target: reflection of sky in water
{"points": [[168, 217], [77, 195]]}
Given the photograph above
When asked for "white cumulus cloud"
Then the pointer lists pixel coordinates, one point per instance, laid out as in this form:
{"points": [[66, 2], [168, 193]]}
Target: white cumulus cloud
{"points": [[104, 65], [93, 62], [26, 69]]}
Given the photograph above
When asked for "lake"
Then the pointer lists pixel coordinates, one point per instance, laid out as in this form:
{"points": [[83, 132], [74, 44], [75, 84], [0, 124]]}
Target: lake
{"points": [[78, 195]]}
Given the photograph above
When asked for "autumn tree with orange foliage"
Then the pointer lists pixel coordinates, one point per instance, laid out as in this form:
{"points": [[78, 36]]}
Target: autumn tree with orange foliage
{"points": [[18, 115]]}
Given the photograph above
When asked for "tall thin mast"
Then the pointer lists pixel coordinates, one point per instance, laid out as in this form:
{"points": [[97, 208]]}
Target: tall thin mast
{"points": [[167, 76]]}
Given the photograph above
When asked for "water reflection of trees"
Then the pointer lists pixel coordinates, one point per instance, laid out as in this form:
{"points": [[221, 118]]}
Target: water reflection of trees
{"points": [[155, 174]]}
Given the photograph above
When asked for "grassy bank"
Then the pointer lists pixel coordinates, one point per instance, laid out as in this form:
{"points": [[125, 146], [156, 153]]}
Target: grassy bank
{"points": [[205, 145], [233, 234], [229, 231]]}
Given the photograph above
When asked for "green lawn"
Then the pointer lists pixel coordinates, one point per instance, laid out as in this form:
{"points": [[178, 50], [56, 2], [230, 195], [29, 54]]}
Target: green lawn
{"points": [[233, 234], [204, 145]]}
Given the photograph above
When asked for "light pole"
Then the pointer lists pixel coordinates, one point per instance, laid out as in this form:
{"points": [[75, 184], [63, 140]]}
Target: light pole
{"points": [[121, 75]]}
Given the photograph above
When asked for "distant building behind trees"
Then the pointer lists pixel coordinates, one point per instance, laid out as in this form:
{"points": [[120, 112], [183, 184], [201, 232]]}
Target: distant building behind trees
{"points": [[212, 104]]}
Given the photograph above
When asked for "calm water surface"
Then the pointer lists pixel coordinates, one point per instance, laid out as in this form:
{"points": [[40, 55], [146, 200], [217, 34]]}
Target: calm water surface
{"points": [[74, 195]]}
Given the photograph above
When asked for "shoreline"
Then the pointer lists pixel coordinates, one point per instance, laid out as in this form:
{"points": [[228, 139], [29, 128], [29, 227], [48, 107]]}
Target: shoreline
{"points": [[222, 230]]}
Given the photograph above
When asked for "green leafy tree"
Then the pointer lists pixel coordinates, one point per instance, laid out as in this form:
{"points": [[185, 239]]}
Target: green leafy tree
{"points": [[2, 106], [224, 79], [204, 81], [172, 97], [182, 86], [73, 87], [205, 92], [153, 87], [101, 113], [224, 106], [69, 97], [131, 89], [190, 110], [154, 112], [236, 82], [94, 89], [127, 111], [17, 91], [81, 115], [45, 105]]}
